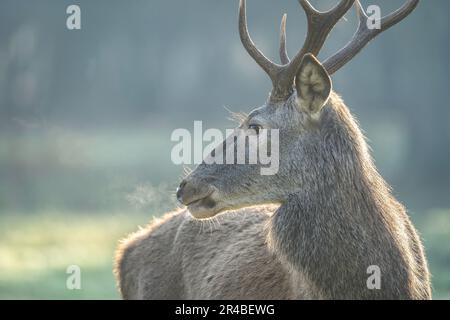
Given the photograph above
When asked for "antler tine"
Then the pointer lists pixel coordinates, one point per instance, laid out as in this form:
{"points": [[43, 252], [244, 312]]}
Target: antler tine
{"points": [[268, 66], [320, 24], [283, 50], [364, 35]]}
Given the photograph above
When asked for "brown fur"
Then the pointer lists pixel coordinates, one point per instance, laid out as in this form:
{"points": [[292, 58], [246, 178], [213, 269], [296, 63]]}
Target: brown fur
{"points": [[336, 215], [316, 245], [178, 257]]}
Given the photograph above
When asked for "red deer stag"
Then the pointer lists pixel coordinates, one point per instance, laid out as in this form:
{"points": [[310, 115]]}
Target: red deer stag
{"points": [[310, 231]]}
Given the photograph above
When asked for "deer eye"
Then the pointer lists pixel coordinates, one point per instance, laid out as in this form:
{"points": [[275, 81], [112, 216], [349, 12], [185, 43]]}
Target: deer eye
{"points": [[255, 127]]}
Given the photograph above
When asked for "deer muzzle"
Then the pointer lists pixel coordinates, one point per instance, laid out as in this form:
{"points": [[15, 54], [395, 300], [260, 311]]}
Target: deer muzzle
{"points": [[197, 196]]}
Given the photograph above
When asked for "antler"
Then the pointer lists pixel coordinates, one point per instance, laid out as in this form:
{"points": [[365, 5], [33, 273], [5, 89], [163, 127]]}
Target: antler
{"points": [[364, 35], [320, 25], [282, 76], [283, 50]]}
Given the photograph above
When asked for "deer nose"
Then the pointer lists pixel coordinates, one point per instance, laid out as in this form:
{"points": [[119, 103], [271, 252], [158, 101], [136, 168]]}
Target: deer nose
{"points": [[191, 191], [180, 191]]}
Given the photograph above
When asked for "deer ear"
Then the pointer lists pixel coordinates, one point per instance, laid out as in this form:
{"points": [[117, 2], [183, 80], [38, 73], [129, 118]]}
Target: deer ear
{"points": [[313, 85]]}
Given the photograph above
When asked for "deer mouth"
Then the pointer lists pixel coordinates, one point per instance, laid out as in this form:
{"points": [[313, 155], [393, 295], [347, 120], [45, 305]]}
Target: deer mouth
{"points": [[205, 207], [204, 202]]}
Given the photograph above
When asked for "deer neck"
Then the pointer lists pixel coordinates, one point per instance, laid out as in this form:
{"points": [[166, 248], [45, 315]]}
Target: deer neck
{"points": [[332, 232]]}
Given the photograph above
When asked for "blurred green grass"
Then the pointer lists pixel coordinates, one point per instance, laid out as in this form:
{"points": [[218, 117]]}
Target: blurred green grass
{"points": [[434, 228], [35, 251]]}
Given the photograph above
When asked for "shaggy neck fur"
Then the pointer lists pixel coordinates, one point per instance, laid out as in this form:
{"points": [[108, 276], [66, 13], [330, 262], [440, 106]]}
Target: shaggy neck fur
{"points": [[344, 220]]}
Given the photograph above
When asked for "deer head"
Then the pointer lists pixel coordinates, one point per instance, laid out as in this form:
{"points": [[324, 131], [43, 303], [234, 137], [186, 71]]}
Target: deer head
{"points": [[318, 138]]}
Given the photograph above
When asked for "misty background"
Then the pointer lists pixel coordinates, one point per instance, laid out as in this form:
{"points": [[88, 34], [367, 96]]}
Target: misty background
{"points": [[86, 117]]}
